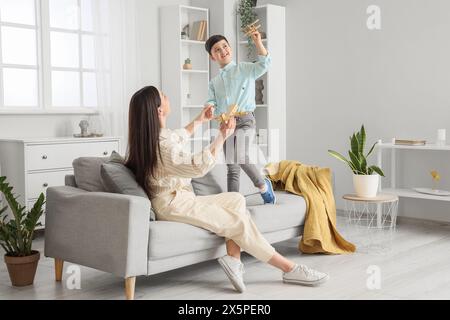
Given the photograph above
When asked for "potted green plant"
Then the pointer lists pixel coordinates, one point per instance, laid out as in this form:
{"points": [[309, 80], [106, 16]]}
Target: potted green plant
{"points": [[187, 64], [247, 14], [365, 177], [16, 236]]}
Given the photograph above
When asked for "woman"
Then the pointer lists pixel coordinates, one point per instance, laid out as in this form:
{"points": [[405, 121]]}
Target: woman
{"points": [[164, 171]]}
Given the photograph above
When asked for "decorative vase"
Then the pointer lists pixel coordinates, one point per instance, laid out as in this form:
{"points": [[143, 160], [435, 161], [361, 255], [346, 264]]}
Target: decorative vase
{"points": [[366, 186], [259, 87], [22, 269]]}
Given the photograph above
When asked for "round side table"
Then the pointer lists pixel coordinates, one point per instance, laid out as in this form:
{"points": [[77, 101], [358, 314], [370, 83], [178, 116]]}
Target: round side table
{"points": [[371, 221]]}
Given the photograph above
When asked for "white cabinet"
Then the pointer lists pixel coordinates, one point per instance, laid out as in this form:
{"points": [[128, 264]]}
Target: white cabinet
{"points": [[33, 165], [187, 89], [271, 113]]}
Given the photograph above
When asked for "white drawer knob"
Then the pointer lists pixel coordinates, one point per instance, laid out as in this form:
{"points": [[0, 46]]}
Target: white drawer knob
{"points": [[44, 157]]}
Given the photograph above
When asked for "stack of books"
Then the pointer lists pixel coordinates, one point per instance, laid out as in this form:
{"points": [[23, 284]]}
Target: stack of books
{"points": [[410, 142], [199, 30]]}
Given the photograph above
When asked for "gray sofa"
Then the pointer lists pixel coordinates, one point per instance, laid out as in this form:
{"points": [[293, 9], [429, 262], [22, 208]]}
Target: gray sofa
{"points": [[113, 233]]}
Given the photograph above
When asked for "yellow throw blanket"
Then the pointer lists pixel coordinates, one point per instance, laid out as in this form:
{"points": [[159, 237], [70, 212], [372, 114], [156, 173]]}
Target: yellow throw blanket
{"points": [[314, 184]]}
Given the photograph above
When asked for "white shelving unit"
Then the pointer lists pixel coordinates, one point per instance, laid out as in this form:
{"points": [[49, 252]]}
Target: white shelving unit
{"points": [[270, 116], [405, 192], [186, 89]]}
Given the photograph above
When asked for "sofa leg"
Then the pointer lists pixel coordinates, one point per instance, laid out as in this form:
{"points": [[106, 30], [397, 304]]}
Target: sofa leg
{"points": [[129, 288], [58, 269]]}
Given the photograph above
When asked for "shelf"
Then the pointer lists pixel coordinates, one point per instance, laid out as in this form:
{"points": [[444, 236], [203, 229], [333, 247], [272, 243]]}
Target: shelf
{"points": [[195, 71], [409, 193], [262, 105], [425, 147], [186, 41]]}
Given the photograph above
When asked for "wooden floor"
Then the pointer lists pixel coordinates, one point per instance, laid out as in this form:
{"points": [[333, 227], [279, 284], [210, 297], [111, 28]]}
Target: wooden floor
{"points": [[417, 266]]}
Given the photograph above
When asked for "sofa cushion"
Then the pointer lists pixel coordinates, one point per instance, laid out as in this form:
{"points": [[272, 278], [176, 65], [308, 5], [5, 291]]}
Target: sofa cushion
{"points": [[169, 239], [289, 211], [117, 178], [87, 173]]}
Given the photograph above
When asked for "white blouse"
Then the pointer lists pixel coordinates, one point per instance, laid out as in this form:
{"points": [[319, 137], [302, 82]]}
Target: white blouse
{"points": [[176, 167]]}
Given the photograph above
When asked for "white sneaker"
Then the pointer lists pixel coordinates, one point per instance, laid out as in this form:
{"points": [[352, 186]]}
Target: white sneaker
{"points": [[303, 275], [234, 269]]}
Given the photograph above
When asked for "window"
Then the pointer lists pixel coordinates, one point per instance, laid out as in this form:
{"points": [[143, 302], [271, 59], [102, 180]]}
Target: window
{"points": [[47, 56]]}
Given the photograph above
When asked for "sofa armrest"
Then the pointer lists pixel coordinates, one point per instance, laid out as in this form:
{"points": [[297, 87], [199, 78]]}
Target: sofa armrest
{"points": [[104, 231]]}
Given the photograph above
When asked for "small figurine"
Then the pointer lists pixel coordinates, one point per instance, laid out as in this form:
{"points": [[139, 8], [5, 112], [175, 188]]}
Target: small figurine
{"points": [[185, 31], [84, 125], [436, 178]]}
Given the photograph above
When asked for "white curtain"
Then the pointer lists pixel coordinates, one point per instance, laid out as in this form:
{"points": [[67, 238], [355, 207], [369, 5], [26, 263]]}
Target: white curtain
{"points": [[117, 76]]}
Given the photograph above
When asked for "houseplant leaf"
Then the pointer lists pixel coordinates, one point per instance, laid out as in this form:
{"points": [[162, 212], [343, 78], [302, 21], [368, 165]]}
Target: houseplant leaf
{"points": [[363, 164], [371, 150], [355, 161], [362, 139], [377, 170], [354, 144], [340, 157]]}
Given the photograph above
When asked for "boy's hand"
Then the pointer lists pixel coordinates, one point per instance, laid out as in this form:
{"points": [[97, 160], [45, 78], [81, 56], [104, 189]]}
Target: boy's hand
{"points": [[207, 113], [256, 37]]}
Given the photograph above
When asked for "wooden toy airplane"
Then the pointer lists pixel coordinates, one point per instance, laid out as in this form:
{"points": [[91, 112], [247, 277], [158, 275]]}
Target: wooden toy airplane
{"points": [[251, 28], [232, 111], [226, 116]]}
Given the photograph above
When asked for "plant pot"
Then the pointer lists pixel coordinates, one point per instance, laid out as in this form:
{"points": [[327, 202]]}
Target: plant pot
{"points": [[22, 269], [187, 66], [366, 186]]}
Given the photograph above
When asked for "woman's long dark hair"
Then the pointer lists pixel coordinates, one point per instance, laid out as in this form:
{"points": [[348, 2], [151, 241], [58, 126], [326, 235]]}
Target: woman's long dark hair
{"points": [[143, 135]]}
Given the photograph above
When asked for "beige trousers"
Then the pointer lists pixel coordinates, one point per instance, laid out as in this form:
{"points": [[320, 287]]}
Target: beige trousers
{"points": [[224, 214]]}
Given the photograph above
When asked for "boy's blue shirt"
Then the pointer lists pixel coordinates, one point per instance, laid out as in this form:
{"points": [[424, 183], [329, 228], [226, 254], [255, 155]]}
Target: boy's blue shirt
{"points": [[236, 85]]}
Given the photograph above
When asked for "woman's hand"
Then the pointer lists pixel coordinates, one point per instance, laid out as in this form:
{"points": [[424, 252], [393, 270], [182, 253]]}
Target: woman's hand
{"points": [[227, 127], [207, 114], [226, 130]]}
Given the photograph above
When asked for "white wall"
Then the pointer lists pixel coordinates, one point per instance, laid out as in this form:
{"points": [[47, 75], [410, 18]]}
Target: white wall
{"points": [[149, 38], [396, 81]]}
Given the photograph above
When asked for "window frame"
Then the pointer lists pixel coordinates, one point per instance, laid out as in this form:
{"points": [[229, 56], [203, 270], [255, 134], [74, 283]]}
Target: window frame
{"points": [[44, 67]]}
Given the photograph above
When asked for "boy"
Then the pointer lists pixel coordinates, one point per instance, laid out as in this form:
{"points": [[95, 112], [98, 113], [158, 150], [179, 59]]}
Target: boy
{"points": [[236, 85]]}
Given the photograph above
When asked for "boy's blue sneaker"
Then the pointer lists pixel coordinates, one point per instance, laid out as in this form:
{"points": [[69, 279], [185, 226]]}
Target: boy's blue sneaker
{"points": [[269, 195]]}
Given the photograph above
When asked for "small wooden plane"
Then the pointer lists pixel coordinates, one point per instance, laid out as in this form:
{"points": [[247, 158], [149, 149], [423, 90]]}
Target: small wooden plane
{"points": [[251, 28], [232, 111]]}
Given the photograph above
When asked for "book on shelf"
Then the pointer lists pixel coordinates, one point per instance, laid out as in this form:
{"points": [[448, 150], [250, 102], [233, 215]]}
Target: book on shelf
{"points": [[404, 142], [198, 31], [203, 32]]}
